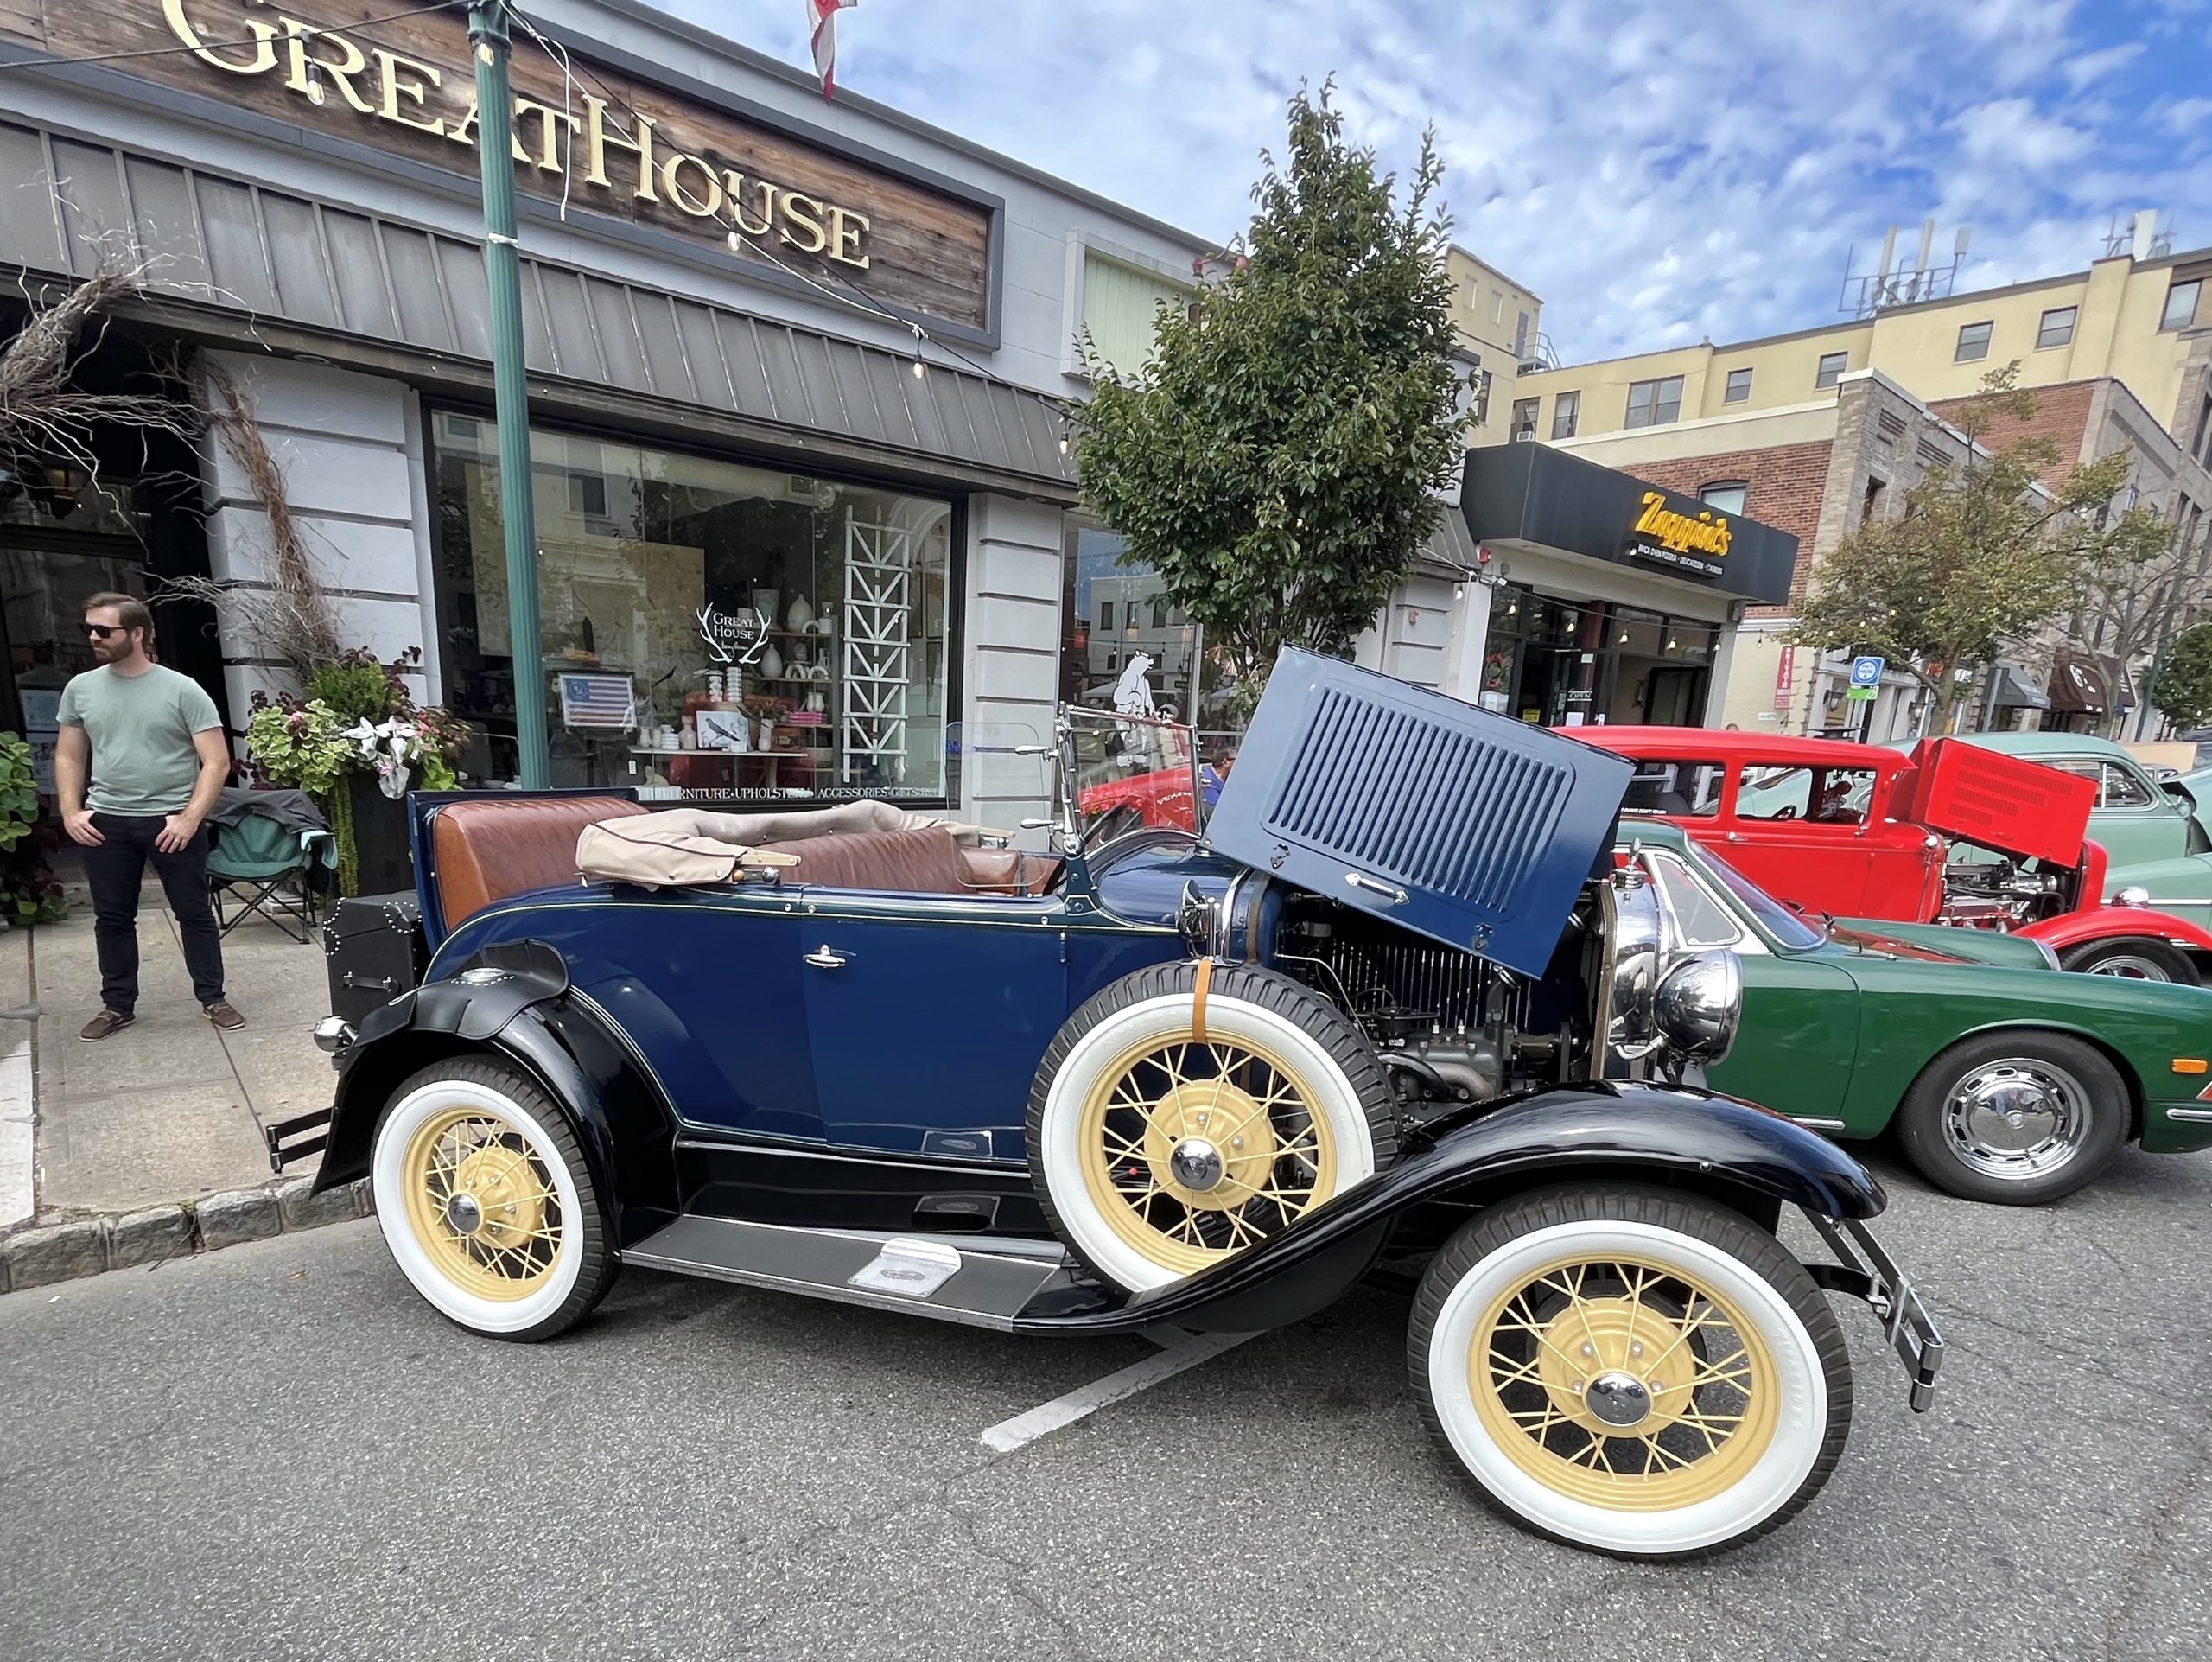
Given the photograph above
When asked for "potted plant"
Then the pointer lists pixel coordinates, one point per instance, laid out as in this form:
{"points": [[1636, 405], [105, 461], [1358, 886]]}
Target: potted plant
{"points": [[30, 891], [356, 743]]}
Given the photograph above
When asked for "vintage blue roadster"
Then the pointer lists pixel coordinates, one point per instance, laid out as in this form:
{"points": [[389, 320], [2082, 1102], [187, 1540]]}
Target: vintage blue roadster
{"points": [[1394, 1002]]}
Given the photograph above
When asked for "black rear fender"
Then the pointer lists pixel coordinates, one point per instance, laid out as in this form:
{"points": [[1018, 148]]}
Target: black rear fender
{"points": [[626, 1125]]}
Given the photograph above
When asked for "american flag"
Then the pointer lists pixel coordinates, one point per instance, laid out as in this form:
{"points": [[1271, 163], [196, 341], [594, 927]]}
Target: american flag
{"points": [[821, 17], [598, 700]]}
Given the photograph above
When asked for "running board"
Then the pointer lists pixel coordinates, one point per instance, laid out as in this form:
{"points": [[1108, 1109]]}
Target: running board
{"points": [[981, 1280]]}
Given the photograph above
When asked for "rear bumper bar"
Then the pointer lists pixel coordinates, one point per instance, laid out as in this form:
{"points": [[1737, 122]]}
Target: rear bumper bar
{"points": [[297, 1139], [1867, 1272]]}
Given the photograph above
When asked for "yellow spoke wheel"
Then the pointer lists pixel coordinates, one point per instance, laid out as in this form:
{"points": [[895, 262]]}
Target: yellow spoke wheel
{"points": [[1623, 1383], [1193, 1149], [481, 1204]]}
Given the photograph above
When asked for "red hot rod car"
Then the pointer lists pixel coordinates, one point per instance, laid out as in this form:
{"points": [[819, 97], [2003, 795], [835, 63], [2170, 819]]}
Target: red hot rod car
{"points": [[1949, 833]]}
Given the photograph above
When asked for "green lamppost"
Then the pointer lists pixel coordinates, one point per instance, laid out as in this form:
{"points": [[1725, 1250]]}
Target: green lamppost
{"points": [[487, 33]]}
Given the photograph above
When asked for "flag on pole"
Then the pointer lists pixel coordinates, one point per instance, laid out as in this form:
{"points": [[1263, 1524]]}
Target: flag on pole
{"points": [[822, 15]]}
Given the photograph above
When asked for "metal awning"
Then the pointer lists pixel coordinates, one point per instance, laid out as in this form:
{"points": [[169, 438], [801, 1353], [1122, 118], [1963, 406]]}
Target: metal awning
{"points": [[242, 250], [2015, 690]]}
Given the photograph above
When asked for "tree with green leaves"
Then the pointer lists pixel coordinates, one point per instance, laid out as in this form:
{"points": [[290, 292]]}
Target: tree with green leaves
{"points": [[1984, 552], [2184, 688], [1277, 461]]}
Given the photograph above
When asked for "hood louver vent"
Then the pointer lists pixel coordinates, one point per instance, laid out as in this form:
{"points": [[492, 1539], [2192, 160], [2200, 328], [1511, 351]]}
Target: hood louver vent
{"points": [[1460, 825]]}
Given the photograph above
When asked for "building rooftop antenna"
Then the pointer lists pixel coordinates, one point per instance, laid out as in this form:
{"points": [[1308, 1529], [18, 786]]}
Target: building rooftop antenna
{"points": [[2138, 237], [1895, 283]]}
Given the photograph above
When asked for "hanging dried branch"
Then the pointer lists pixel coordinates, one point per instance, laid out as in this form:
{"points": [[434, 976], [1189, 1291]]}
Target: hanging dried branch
{"points": [[44, 416], [291, 619]]}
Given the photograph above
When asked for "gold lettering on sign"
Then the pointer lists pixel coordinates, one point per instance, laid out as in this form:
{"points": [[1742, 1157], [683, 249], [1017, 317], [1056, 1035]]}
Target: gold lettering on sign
{"points": [[264, 51], [1707, 534], [389, 68], [845, 229], [298, 36], [308, 60], [803, 223], [598, 137]]}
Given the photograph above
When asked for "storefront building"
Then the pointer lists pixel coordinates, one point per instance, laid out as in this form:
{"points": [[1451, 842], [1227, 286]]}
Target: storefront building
{"points": [[1592, 597], [792, 358]]}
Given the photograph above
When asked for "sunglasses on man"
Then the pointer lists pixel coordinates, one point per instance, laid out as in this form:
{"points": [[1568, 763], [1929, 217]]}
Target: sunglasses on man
{"points": [[102, 630]]}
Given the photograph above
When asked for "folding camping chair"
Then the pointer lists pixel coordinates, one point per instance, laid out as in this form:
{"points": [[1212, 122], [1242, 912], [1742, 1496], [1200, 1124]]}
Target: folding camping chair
{"points": [[259, 856]]}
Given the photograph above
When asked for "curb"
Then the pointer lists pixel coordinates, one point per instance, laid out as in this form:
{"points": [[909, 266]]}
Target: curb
{"points": [[40, 1255]]}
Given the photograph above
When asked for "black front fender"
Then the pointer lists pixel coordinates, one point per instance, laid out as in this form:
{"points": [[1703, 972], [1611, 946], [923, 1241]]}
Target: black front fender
{"points": [[1626, 1133], [537, 1024]]}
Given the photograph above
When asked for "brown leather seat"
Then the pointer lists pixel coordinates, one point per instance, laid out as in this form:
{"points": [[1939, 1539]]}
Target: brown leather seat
{"points": [[490, 847], [1009, 871], [924, 861]]}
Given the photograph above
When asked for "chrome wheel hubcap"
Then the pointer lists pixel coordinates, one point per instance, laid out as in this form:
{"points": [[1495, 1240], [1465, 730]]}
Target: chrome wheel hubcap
{"points": [[463, 1215], [2128, 966], [1617, 1399], [2016, 1118], [1196, 1164]]}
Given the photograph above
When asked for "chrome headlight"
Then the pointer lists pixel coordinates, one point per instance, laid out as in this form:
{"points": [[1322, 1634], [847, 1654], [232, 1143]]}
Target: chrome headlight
{"points": [[1700, 1004], [2133, 895], [1638, 943]]}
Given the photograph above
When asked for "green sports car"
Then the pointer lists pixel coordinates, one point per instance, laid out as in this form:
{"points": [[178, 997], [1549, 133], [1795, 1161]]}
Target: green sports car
{"points": [[2006, 1081]]}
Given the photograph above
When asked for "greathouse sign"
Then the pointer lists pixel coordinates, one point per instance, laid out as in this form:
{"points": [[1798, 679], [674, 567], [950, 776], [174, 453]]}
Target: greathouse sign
{"points": [[601, 143]]}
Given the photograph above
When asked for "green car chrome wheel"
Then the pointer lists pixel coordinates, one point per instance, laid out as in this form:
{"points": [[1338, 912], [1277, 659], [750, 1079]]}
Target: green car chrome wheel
{"points": [[2017, 1118]]}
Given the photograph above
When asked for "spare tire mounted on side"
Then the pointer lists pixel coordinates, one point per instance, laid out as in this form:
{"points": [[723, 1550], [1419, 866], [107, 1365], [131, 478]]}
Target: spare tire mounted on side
{"points": [[1190, 1110]]}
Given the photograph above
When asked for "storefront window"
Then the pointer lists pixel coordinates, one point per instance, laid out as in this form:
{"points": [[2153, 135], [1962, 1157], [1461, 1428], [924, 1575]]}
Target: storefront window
{"points": [[1558, 663], [842, 645]]}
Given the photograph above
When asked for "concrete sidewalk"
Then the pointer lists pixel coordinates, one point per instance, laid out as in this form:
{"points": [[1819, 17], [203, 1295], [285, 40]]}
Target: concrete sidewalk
{"points": [[170, 1111]]}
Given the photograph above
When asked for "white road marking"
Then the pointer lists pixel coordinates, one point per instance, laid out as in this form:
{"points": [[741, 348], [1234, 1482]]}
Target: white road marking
{"points": [[17, 1198], [1062, 1411]]}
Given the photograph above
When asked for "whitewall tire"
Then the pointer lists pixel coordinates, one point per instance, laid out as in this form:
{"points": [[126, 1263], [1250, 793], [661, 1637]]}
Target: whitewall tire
{"points": [[487, 1203], [1187, 1113], [1631, 1371]]}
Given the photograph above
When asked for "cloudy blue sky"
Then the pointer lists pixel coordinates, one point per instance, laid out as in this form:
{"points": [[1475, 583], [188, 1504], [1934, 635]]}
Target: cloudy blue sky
{"points": [[1656, 173]]}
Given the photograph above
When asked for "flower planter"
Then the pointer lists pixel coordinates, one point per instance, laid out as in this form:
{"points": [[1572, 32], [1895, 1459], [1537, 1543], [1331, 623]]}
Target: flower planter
{"points": [[384, 863]]}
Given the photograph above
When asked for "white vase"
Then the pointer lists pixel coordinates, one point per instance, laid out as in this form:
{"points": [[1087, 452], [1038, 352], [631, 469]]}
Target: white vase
{"points": [[799, 616], [772, 663]]}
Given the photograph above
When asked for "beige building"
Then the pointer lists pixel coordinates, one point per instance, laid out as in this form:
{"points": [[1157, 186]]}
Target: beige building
{"points": [[2145, 322], [1501, 329], [1817, 430]]}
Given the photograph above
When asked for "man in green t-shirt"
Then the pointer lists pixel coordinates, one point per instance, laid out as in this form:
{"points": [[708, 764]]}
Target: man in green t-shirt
{"points": [[152, 746]]}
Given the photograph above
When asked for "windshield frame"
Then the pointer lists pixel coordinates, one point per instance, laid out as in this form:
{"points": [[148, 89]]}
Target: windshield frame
{"points": [[1075, 832], [1783, 929]]}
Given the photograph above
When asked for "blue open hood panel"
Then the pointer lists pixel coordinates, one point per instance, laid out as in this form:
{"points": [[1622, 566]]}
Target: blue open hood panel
{"points": [[1465, 826]]}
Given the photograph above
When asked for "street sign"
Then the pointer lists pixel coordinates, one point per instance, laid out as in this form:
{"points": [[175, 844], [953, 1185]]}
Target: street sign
{"points": [[1866, 672], [1861, 694]]}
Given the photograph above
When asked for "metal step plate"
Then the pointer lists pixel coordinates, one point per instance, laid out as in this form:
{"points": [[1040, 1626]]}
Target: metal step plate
{"points": [[980, 1280]]}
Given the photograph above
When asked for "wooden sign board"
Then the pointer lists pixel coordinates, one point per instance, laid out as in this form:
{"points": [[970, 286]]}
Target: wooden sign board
{"points": [[601, 141]]}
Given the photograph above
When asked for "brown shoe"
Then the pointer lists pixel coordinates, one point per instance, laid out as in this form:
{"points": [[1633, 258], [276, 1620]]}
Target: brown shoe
{"points": [[224, 1017], [106, 1023]]}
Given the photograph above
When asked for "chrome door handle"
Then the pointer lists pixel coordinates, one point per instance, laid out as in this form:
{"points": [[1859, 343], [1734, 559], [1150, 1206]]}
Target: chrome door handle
{"points": [[822, 958], [1389, 891]]}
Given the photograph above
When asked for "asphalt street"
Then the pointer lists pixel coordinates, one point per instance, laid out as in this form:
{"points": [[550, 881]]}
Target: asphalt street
{"points": [[278, 1451]]}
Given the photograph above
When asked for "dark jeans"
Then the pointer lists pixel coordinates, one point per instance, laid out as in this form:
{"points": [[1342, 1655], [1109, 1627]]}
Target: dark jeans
{"points": [[114, 870]]}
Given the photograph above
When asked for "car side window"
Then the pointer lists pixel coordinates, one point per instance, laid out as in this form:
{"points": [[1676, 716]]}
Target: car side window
{"points": [[1699, 919], [1840, 795], [1774, 793], [2116, 786], [1685, 789], [2119, 788]]}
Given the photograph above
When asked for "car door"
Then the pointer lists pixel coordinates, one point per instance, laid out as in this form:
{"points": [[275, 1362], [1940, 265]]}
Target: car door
{"points": [[1801, 834], [927, 1016], [1799, 1039]]}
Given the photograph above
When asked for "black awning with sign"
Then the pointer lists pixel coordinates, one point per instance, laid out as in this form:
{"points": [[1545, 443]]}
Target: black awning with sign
{"points": [[1534, 493]]}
